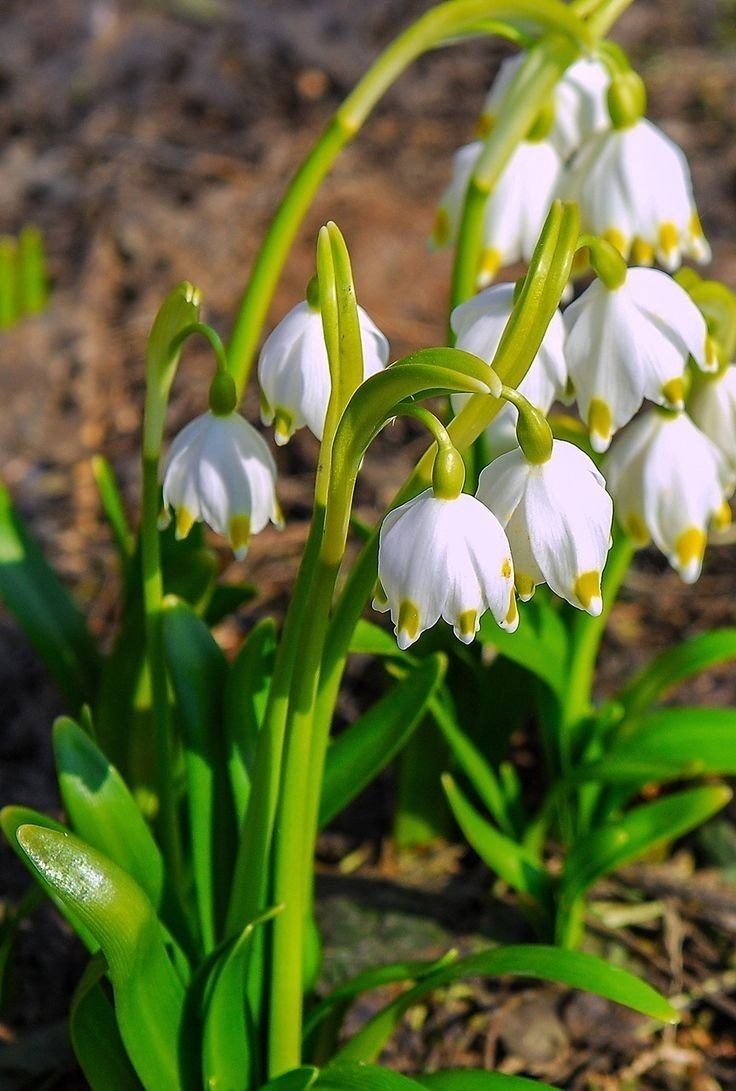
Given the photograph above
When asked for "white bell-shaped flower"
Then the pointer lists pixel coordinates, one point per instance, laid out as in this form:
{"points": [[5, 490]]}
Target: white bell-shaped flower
{"points": [[444, 558], [557, 516], [712, 405], [668, 483], [579, 102], [633, 188], [515, 210], [294, 371], [478, 325], [629, 343], [220, 471]]}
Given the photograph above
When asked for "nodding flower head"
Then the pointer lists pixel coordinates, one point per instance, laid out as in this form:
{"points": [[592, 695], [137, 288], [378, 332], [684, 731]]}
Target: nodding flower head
{"points": [[220, 471], [444, 558]]}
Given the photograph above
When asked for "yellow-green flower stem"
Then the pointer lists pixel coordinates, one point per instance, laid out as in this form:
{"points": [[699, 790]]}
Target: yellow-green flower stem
{"points": [[441, 24], [532, 430], [179, 312]]}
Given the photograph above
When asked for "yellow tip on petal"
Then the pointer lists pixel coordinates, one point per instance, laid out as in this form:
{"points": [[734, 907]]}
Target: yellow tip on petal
{"points": [[600, 424], [277, 515], [380, 598], [674, 393], [642, 252], [265, 407], [637, 530], [511, 620], [689, 551], [283, 427], [588, 592], [507, 569], [239, 535], [409, 625], [184, 522], [164, 519], [441, 231], [711, 354], [525, 586], [490, 263], [695, 227], [466, 626], [669, 238], [617, 239], [486, 121], [722, 518]]}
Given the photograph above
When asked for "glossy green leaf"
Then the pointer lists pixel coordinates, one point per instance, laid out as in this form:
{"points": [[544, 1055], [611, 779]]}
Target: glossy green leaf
{"points": [[198, 674], [148, 994], [573, 968], [44, 609], [359, 753], [355, 1076], [514, 863], [675, 665], [102, 811], [298, 1079], [458, 1079], [95, 1037], [246, 694], [608, 847], [539, 645], [371, 639]]}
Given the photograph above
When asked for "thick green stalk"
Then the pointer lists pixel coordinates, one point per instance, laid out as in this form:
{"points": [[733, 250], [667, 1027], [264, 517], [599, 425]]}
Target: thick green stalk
{"points": [[444, 22]]}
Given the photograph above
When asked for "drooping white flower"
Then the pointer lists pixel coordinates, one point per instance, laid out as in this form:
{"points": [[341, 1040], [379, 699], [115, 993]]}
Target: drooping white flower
{"points": [[629, 343], [712, 405], [668, 483], [579, 102], [444, 558], [478, 325], [557, 516], [633, 188], [294, 372], [515, 210], [220, 471]]}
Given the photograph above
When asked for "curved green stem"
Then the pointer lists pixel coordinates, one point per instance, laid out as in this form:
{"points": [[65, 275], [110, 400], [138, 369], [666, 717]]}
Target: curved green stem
{"points": [[446, 21]]}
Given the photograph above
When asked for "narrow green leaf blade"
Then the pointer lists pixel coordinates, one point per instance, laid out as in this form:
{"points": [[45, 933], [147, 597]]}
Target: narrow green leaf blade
{"points": [[359, 754], [573, 968], [113, 507], [246, 694], [604, 849], [298, 1079], [675, 665], [470, 1080], [44, 609], [357, 1076], [148, 994], [95, 1037], [101, 809]]}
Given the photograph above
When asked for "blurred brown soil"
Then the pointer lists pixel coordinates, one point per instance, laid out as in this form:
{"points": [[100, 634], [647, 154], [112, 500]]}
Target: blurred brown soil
{"points": [[151, 142]]}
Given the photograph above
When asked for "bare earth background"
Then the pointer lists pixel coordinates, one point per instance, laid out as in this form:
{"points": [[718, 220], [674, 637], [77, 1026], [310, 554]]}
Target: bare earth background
{"points": [[151, 142]]}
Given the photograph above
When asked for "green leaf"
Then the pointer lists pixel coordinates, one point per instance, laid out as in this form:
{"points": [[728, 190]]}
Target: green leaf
{"points": [[539, 645], [226, 598], [359, 754], [357, 1076], [44, 609], [514, 863], [604, 849], [95, 1037], [198, 674], [674, 666], [573, 968], [298, 1079], [246, 694], [148, 994], [371, 639], [458, 1079], [101, 809], [113, 507]]}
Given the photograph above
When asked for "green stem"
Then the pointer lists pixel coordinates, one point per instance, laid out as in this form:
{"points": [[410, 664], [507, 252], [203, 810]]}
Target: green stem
{"points": [[587, 634], [446, 21]]}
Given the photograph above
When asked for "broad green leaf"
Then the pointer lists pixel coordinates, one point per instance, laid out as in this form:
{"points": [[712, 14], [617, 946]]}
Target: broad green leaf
{"points": [[514, 863], [539, 645], [359, 753], [95, 1037], [102, 811], [573, 968], [148, 994], [198, 674], [356, 1076], [609, 847], [371, 639], [674, 666], [44, 609], [458, 1079], [246, 694], [298, 1079]]}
